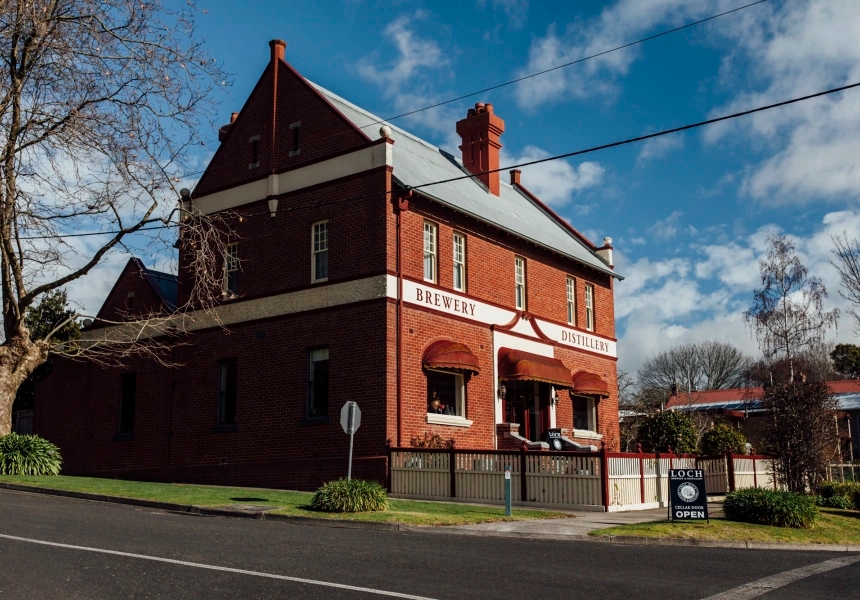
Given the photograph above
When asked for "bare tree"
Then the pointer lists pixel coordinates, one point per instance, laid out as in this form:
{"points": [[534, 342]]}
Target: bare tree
{"points": [[723, 365], [100, 104], [847, 253], [788, 313]]}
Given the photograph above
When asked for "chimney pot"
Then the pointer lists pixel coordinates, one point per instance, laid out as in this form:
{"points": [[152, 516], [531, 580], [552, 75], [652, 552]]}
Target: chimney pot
{"points": [[515, 176], [278, 47], [480, 132], [233, 117]]}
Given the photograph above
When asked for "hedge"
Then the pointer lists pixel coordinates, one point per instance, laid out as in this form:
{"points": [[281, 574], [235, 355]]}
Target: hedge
{"points": [[768, 507]]}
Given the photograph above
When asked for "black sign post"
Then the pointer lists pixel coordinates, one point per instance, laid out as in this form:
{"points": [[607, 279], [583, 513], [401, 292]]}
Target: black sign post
{"points": [[687, 498]]}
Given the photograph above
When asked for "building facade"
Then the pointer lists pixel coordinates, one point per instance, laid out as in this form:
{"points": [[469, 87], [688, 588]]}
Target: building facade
{"points": [[466, 308]]}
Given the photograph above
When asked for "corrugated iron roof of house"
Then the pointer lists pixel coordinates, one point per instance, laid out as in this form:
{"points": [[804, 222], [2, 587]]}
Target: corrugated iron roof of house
{"points": [[417, 162], [847, 392]]}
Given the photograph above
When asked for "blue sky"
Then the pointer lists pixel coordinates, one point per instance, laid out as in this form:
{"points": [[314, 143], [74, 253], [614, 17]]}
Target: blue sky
{"points": [[688, 213]]}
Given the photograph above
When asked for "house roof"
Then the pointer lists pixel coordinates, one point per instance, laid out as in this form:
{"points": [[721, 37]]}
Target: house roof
{"points": [[418, 162], [847, 394]]}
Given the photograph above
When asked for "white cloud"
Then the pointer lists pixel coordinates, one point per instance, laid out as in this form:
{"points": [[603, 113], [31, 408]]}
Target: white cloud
{"points": [[515, 10], [666, 229], [555, 182], [659, 147]]}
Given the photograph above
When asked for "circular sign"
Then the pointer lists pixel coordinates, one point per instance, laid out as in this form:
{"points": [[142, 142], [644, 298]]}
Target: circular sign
{"points": [[688, 492], [557, 444]]}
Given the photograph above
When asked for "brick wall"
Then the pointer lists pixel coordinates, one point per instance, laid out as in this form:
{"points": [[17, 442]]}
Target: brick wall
{"points": [[130, 281]]}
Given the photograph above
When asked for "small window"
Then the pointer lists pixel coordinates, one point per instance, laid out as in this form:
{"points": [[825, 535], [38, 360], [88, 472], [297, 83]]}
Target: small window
{"points": [[319, 251], [520, 281], [231, 270], [128, 396], [129, 300], [459, 262], [227, 393], [584, 413], [445, 393], [429, 252], [589, 307], [294, 127], [571, 301], [318, 382], [255, 152]]}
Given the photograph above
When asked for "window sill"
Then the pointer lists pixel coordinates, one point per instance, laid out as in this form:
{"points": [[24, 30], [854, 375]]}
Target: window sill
{"points": [[295, 152], [320, 280], [585, 434], [123, 437], [310, 421], [448, 420], [226, 428]]}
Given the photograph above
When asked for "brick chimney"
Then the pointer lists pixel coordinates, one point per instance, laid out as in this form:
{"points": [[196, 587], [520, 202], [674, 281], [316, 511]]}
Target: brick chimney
{"points": [[480, 132], [278, 47]]}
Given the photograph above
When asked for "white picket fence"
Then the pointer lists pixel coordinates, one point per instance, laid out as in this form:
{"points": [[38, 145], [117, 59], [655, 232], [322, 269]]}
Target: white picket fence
{"points": [[584, 481]]}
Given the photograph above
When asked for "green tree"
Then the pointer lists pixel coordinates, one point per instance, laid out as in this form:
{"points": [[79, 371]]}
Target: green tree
{"points": [[668, 429], [722, 439], [846, 360]]}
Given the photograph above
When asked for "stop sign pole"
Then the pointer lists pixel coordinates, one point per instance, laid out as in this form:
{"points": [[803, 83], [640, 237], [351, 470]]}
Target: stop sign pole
{"points": [[350, 419]]}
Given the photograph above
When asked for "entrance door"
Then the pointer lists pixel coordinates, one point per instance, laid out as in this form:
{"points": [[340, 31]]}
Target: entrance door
{"points": [[527, 403]]}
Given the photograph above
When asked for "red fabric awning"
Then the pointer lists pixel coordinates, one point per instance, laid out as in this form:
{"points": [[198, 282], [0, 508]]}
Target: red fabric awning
{"points": [[446, 354], [589, 383], [525, 366]]}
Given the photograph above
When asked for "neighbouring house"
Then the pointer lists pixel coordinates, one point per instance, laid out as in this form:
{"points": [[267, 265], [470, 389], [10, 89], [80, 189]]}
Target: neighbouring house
{"points": [[467, 308], [742, 408]]}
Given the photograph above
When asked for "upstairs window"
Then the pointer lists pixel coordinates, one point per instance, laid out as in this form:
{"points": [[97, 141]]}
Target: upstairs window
{"points": [[589, 307], [430, 258], [571, 301], [294, 127], [255, 152], [227, 393], [459, 262], [231, 270], [319, 252], [520, 282], [128, 397], [318, 382]]}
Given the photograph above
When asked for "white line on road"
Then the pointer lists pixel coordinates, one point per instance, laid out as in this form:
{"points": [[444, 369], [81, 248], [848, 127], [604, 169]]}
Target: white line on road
{"points": [[767, 584], [185, 563]]}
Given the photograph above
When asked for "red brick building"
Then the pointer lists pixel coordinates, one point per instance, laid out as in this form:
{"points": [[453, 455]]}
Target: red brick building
{"points": [[467, 308]]}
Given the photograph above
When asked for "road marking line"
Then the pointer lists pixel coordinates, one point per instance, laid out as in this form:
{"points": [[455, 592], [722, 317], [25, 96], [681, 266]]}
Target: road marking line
{"points": [[185, 563], [767, 584]]}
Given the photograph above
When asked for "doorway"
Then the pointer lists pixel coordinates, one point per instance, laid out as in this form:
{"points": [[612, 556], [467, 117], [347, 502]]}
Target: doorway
{"points": [[527, 403]]}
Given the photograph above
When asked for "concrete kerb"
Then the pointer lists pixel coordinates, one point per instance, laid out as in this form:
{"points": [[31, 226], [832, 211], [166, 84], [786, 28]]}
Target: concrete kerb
{"points": [[201, 511]]}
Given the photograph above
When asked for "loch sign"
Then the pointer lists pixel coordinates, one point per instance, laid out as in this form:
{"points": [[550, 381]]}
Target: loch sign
{"points": [[688, 500]]}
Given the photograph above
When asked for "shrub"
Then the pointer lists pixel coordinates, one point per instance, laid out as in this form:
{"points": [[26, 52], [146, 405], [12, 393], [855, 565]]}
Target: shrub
{"points": [[843, 502], [430, 440], [767, 507], [28, 455], [849, 490], [350, 495], [722, 439], [668, 429]]}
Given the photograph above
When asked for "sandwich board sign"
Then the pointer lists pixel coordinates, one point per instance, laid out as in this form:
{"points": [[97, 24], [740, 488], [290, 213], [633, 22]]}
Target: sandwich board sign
{"points": [[687, 498]]}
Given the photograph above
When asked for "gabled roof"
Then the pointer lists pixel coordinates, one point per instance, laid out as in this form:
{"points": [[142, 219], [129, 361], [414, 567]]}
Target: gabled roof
{"points": [[164, 285], [847, 394], [417, 162]]}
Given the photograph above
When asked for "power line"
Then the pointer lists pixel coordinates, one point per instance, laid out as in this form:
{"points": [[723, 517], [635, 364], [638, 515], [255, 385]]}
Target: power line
{"points": [[524, 164], [538, 73]]}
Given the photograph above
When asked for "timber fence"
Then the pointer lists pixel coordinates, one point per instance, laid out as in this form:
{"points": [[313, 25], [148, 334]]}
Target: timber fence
{"points": [[600, 481]]}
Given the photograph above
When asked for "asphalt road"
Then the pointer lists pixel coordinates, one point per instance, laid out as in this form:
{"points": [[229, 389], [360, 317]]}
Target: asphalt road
{"points": [[274, 555]]}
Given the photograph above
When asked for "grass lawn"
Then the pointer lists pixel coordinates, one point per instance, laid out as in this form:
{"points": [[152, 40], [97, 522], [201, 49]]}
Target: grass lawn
{"points": [[410, 512], [834, 527]]}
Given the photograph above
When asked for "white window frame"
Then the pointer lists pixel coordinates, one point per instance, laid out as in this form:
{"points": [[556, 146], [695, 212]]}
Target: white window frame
{"points": [[571, 301], [459, 260], [431, 251], [520, 283], [589, 307], [458, 420], [591, 409], [316, 249], [231, 265]]}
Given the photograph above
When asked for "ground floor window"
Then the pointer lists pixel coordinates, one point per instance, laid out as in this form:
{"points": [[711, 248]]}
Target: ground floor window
{"points": [[446, 393], [128, 394], [584, 413], [227, 393], [318, 382]]}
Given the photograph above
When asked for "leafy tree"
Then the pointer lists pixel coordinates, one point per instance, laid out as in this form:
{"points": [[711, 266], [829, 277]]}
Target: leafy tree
{"points": [[100, 106], [668, 429], [787, 314], [722, 439], [801, 432], [846, 360]]}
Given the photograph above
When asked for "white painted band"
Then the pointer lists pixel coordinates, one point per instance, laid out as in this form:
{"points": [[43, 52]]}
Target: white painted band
{"points": [[185, 563]]}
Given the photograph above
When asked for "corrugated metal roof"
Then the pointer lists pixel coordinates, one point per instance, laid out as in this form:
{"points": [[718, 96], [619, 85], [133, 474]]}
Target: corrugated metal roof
{"points": [[417, 162]]}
